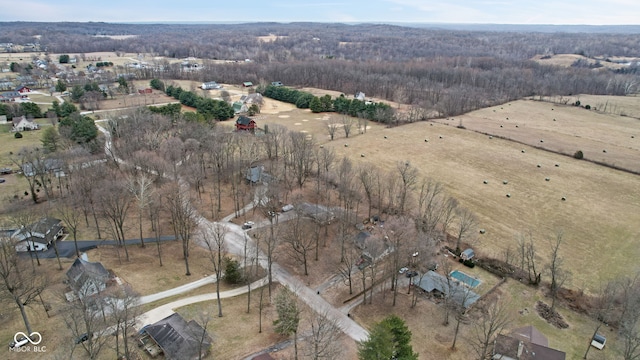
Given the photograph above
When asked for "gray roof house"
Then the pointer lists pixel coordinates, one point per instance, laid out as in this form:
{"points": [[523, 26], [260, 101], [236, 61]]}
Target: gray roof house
{"points": [[178, 338], [87, 278], [515, 347], [462, 295], [38, 235]]}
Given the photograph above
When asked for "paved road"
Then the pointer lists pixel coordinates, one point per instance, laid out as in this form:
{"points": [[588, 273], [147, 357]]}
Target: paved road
{"points": [[67, 248], [235, 240]]}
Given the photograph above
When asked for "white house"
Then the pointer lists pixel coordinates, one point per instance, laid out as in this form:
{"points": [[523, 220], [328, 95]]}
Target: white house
{"points": [[39, 235], [21, 123]]}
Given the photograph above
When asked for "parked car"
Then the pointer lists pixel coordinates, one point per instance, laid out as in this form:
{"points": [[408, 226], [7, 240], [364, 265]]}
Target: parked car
{"points": [[403, 270], [6, 171], [248, 225], [287, 207], [82, 338], [2, 180], [598, 341], [22, 340]]}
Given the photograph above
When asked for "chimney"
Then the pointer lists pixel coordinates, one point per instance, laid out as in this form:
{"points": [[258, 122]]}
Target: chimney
{"points": [[520, 348]]}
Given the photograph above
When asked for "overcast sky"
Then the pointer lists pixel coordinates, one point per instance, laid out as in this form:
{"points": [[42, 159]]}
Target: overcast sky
{"points": [[559, 12]]}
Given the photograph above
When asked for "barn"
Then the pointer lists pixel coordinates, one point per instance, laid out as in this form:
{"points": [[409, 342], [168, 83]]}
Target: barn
{"points": [[245, 124]]}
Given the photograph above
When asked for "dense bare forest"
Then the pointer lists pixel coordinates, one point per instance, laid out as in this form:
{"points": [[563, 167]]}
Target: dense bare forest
{"points": [[449, 71]]}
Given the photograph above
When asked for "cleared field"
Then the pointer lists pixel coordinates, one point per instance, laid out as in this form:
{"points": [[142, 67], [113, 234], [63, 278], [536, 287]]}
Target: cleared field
{"points": [[600, 217], [602, 137], [567, 60]]}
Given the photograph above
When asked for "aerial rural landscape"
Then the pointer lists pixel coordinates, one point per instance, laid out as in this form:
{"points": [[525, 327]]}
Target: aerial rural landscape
{"points": [[275, 190]]}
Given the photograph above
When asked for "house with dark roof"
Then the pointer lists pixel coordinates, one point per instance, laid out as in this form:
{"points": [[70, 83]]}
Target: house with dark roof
{"points": [[525, 343], [437, 284], [179, 339], [245, 124], [39, 235], [9, 96], [87, 278]]}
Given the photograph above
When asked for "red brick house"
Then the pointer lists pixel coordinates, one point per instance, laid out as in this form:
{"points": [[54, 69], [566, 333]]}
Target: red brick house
{"points": [[245, 123]]}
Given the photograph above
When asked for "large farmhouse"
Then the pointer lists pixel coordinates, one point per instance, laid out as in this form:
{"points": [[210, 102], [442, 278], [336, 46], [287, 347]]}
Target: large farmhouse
{"points": [[245, 124]]}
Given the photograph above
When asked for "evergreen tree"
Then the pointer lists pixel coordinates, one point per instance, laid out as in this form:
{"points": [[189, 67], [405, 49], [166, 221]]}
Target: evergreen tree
{"points": [[389, 339]]}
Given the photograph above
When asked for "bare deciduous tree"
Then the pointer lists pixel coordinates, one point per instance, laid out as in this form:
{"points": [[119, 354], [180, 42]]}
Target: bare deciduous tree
{"points": [[347, 124], [19, 281], [332, 127], [214, 239], [300, 244], [467, 223], [183, 218], [492, 320], [556, 270], [323, 342]]}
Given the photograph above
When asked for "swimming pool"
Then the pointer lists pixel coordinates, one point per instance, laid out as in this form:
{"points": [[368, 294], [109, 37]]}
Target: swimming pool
{"points": [[470, 281]]}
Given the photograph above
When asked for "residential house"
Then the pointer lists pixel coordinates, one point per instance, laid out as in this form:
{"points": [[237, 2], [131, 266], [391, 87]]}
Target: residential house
{"points": [[54, 166], [240, 107], [255, 98], [21, 123], [179, 339], [525, 343], [438, 285], [211, 85], [39, 235], [145, 91], [9, 96], [318, 213], [256, 174], [23, 89], [359, 96], [245, 124], [247, 84], [87, 278]]}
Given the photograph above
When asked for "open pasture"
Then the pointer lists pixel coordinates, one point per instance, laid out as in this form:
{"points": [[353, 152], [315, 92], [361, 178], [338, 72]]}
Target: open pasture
{"points": [[600, 217], [602, 137]]}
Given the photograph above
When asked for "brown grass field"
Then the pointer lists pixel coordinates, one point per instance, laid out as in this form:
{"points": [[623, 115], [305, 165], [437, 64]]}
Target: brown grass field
{"points": [[600, 219]]}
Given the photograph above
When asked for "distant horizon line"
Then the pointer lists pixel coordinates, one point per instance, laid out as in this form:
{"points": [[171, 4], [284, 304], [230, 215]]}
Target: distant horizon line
{"points": [[239, 22]]}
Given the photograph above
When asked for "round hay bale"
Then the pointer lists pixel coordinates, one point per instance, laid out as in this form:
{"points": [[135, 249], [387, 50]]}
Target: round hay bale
{"points": [[500, 125], [505, 182], [440, 136], [385, 137], [507, 118], [541, 140], [538, 165], [485, 182], [482, 231], [508, 195], [490, 137], [633, 137], [361, 155], [551, 109], [523, 151], [604, 150], [547, 179], [557, 165], [516, 125], [554, 119], [321, 146], [425, 140], [346, 145], [431, 124], [564, 198]]}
